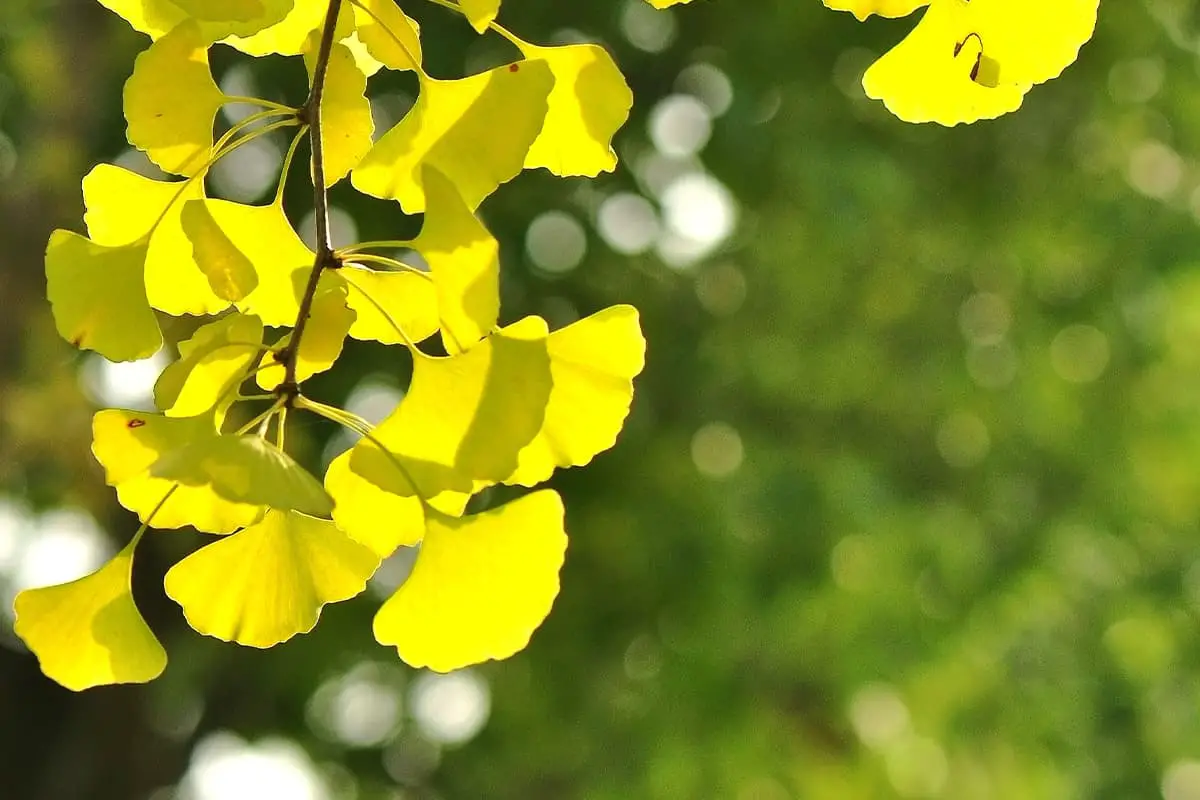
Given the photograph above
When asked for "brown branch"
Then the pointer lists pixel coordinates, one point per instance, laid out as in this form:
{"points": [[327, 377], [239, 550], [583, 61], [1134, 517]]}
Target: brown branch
{"points": [[310, 113]]}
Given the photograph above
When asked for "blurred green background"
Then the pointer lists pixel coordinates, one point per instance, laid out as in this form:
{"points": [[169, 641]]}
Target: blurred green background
{"points": [[907, 505]]}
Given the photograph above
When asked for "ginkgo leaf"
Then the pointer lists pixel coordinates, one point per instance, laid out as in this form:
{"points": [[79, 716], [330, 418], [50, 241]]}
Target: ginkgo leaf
{"points": [[171, 102], [383, 301], [282, 262], [480, 587], [290, 35], [592, 366], [930, 77], [346, 122], [230, 274], [89, 632], [321, 345], [244, 469], [210, 364], [667, 3], [389, 34], [476, 131], [124, 207], [480, 13], [588, 105], [128, 444], [152, 17], [268, 583], [222, 18], [884, 8], [466, 417], [464, 262], [1031, 41], [98, 297], [383, 512]]}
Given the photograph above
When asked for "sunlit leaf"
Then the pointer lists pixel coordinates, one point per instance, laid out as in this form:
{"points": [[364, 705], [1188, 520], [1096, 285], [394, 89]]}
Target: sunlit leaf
{"points": [[230, 274], [98, 297], [128, 444], [221, 18], [382, 512], [480, 13], [268, 583], [171, 102], [480, 587], [465, 418], [384, 300], [152, 17], [123, 207], [389, 34], [89, 632], [592, 366], [346, 115], [667, 3], [589, 104], [476, 131], [884, 8], [321, 345], [290, 35], [464, 262], [211, 363]]}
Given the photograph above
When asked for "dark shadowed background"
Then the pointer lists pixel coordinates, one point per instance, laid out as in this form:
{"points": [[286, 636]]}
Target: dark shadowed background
{"points": [[907, 505]]}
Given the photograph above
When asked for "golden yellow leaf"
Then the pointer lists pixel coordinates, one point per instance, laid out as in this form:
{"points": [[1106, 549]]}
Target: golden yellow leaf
{"points": [[380, 299], [345, 113], [480, 587], [210, 364], [321, 345], [230, 274], [389, 35], [884, 8]]}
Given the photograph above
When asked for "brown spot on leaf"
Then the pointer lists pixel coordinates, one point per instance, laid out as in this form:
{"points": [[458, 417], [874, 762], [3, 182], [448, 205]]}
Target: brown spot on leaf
{"points": [[134, 424], [514, 67]]}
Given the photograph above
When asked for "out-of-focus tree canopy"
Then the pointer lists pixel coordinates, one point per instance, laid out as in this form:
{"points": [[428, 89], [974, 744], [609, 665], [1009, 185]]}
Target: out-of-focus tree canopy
{"points": [[907, 506]]}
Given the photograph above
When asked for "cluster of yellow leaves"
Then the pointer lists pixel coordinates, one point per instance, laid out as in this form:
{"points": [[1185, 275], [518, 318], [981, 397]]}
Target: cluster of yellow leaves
{"points": [[506, 405], [968, 60]]}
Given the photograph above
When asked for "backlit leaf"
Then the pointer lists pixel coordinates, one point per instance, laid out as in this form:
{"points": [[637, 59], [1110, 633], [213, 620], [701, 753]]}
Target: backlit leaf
{"points": [[89, 632], [380, 299], [98, 297], [592, 366], [171, 102], [884, 8], [464, 262], [321, 344], [480, 587], [476, 131], [222, 18], [588, 105], [230, 274], [268, 583], [290, 35], [123, 207], [128, 444], [381, 512], [210, 364], [346, 120], [480, 13], [388, 34]]}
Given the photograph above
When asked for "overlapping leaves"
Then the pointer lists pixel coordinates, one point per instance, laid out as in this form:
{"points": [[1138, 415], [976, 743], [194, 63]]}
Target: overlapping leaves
{"points": [[506, 405]]}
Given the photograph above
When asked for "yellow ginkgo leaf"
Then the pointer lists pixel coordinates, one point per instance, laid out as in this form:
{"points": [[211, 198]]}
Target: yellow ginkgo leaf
{"points": [[389, 35], [589, 104], [1028, 40], [210, 364], [152, 17], [328, 324], [480, 13], [480, 587], [464, 262], [345, 113], [171, 102], [230, 274], [592, 366], [89, 632], [465, 418], [667, 3], [124, 207], [98, 297], [221, 18], [884, 8], [476, 131], [282, 262], [383, 301], [940, 73], [290, 35], [382, 512], [245, 469], [128, 444], [268, 583]]}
